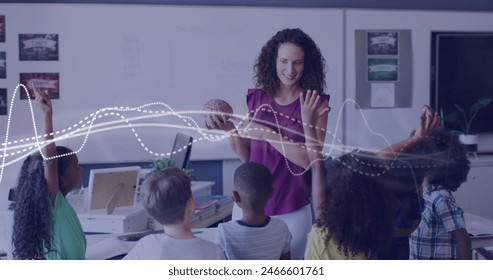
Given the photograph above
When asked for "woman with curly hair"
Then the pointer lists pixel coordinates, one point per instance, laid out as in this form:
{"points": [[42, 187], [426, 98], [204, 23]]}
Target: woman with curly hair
{"points": [[289, 64], [45, 225]]}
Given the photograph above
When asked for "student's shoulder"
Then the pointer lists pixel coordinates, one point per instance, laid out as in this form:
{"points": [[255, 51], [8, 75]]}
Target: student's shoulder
{"points": [[278, 223], [206, 245], [317, 230], [227, 224], [274, 220]]}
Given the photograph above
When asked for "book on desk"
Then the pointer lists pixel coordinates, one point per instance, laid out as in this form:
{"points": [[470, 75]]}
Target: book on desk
{"points": [[211, 209]]}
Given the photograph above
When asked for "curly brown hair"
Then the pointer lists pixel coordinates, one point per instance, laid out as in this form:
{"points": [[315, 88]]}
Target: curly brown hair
{"points": [[265, 67], [357, 211], [442, 159]]}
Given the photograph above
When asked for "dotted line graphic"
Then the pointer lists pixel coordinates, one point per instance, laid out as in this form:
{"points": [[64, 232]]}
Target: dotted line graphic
{"points": [[87, 126]]}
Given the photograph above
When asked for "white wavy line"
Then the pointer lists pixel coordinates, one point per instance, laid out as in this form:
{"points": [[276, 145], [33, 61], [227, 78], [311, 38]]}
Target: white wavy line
{"points": [[80, 128]]}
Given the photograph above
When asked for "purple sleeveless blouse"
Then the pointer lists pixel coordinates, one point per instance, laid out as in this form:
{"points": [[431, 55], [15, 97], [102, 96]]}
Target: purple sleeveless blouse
{"points": [[290, 191]]}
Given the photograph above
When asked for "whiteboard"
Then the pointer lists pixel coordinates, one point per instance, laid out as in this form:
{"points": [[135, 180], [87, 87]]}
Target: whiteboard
{"points": [[169, 58]]}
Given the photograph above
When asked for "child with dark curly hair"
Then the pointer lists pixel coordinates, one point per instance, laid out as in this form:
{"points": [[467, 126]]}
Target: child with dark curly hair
{"points": [[289, 64], [353, 206], [45, 225], [355, 219], [441, 233]]}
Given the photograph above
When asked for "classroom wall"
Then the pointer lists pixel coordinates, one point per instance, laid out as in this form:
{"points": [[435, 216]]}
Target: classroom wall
{"points": [[131, 55], [372, 128], [170, 59]]}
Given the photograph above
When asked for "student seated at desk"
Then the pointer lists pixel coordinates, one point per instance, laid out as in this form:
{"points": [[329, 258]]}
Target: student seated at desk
{"points": [[167, 197], [256, 236]]}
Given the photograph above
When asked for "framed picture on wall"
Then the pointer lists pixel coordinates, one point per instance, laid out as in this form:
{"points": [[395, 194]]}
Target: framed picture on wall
{"points": [[383, 43], [383, 69], [38, 47], [43, 81], [2, 29], [3, 65], [3, 101]]}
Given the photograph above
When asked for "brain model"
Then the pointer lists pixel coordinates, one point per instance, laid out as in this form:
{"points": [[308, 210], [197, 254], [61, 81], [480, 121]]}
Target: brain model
{"points": [[218, 105]]}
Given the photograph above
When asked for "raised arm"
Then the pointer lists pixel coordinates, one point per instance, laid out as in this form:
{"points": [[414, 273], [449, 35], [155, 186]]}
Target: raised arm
{"points": [[428, 121], [310, 112], [43, 99]]}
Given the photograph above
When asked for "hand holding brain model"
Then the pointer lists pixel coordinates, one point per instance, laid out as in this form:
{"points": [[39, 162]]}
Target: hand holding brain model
{"points": [[217, 113]]}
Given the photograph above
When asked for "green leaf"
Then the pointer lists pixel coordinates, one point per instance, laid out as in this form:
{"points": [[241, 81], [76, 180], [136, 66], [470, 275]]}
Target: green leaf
{"points": [[481, 103], [451, 118], [164, 163]]}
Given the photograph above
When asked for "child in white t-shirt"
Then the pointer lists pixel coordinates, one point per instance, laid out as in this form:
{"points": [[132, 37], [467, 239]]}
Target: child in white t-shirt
{"points": [[167, 197], [256, 236]]}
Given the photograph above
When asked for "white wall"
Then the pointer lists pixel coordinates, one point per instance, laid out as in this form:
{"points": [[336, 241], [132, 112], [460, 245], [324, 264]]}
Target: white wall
{"points": [[131, 55]]}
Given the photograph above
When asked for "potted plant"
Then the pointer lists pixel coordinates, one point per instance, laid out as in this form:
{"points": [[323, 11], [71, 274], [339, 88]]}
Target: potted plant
{"points": [[165, 162], [464, 120]]}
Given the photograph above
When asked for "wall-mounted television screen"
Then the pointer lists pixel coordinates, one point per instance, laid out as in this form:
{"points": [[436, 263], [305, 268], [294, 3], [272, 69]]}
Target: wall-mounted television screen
{"points": [[461, 73]]}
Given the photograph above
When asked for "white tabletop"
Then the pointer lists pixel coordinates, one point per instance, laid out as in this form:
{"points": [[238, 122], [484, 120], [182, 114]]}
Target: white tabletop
{"points": [[482, 225], [105, 246]]}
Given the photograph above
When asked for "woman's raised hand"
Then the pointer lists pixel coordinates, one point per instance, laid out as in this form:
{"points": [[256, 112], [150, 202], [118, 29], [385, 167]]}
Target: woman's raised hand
{"points": [[311, 108]]}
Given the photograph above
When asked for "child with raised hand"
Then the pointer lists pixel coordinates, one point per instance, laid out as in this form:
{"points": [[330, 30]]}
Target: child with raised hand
{"points": [[352, 206], [355, 217], [256, 236], [45, 225], [167, 197], [441, 233]]}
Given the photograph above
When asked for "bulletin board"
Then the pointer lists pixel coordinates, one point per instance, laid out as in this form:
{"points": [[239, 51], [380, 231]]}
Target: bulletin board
{"points": [[383, 68]]}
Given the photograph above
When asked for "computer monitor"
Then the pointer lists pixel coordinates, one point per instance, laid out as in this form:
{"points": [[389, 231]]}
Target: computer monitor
{"points": [[112, 187], [182, 147]]}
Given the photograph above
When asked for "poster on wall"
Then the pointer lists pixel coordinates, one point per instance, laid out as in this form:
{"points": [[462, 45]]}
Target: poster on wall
{"points": [[3, 65], [49, 82], [383, 69], [38, 47], [3, 101], [383, 43], [2, 29]]}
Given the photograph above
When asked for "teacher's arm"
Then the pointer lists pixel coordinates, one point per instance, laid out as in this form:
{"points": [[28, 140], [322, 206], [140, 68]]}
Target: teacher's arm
{"points": [[311, 112]]}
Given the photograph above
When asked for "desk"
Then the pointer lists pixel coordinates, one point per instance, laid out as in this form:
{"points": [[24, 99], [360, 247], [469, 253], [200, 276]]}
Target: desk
{"points": [[135, 218], [105, 246], [483, 240], [220, 214]]}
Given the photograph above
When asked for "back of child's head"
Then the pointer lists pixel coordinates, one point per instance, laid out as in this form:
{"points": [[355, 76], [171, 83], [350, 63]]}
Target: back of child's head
{"points": [[165, 193], [357, 210], [253, 181], [443, 158]]}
